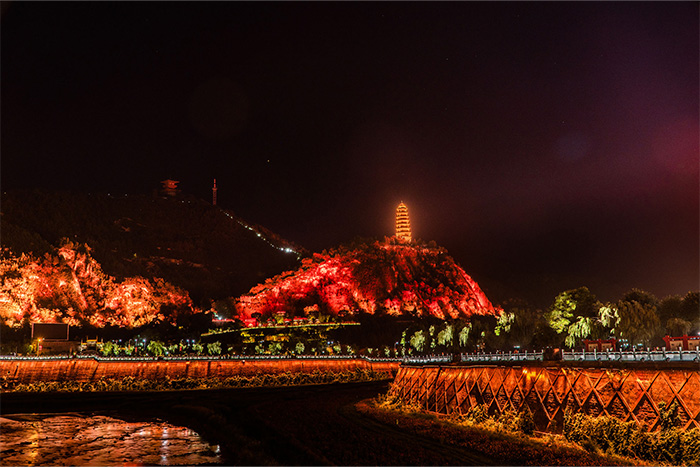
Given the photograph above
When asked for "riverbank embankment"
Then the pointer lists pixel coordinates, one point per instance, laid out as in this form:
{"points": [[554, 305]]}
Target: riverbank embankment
{"points": [[25, 370], [626, 392]]}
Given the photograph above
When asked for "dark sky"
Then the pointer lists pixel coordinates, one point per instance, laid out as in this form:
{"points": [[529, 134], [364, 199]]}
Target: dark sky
{"points": [[545, 145]]}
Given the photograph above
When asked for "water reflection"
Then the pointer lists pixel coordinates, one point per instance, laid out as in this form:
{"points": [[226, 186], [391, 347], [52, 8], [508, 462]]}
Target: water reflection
{"points": [[73, 439]]}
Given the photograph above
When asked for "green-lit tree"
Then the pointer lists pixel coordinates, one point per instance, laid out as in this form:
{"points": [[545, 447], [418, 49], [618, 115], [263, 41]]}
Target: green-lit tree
{"points": [[214, 348], [446, 336], [583, 328], [275, 348], [108, 349], [573, 315], [433, 340], [418, 340], [155, 348], [464, 334]]}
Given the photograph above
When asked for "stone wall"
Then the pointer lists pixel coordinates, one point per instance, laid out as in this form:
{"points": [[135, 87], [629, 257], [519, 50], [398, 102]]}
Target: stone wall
{"points": [[548, 390], [79, 369]]}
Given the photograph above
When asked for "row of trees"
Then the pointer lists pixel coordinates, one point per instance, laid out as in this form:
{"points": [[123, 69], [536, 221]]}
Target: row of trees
{"points": [[636, 319], [157, 348]]}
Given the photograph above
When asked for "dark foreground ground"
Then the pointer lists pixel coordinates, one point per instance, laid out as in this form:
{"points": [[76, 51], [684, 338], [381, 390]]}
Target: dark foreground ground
{"points": [[309, 425]]}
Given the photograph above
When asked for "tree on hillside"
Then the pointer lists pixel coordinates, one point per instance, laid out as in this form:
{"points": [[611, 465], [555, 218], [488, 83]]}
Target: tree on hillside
{"points": [[544, 335]]}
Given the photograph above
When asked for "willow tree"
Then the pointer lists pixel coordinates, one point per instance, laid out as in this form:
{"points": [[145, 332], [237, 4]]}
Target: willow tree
{"points": [[574, 315], [518, 323], [584, 327], [417, 340], [638, 322]]}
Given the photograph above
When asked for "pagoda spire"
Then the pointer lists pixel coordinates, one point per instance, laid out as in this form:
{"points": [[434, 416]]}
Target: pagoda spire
{"points": [[213, 193], [403, 225]]}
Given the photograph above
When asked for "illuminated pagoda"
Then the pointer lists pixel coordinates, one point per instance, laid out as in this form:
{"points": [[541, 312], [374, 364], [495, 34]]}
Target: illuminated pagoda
{"points": [[213, 193], [403, 225]]}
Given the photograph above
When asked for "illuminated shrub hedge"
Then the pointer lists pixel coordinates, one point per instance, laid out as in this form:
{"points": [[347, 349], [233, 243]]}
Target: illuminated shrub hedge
{"points": [[611, 435], [130, 383]]}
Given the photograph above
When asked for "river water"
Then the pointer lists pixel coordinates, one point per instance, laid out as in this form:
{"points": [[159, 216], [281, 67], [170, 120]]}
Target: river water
{"points": [[75, 439]]}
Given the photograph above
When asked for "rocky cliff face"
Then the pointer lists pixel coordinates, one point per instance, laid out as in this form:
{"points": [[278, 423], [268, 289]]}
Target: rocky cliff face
{"points": [[70, 287], [390, 278], [134, 259], [208, 251]]}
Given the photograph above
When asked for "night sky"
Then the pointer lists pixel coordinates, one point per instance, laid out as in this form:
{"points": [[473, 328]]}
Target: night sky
{"points": [[546, 145]]}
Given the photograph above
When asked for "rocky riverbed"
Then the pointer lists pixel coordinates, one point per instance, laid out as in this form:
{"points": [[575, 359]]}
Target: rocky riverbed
{"points": [[77, 439]]}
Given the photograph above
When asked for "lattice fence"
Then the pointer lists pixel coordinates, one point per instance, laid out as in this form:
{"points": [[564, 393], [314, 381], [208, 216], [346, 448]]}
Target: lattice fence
{"points": [[628, 394]]}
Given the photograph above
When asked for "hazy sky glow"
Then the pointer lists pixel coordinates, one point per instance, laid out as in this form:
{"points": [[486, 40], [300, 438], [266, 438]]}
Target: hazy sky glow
{"points": [[545, 145]]}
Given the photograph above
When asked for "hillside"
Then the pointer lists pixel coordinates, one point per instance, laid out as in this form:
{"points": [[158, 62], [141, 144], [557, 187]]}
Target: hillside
{"points": [[379, 278], [71, 287], [193, 245]]}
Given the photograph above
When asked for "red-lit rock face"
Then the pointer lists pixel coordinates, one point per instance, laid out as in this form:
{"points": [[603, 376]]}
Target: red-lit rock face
{"points": [[376, 278], [71, 288]]}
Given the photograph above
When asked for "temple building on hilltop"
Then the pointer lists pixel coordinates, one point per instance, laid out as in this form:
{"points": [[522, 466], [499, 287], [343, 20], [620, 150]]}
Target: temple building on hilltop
{"points": [[169, 187], [403, 225]]}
